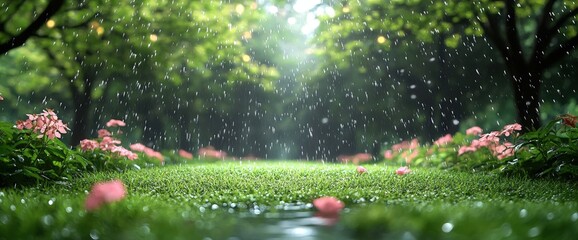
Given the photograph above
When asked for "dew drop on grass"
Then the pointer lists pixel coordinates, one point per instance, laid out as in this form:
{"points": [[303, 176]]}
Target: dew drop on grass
{"points": [[447, 227], [575, 217], [47, 220], [12, 207], [51, 201], [523, 213], [202, 209], [534, 232], [550, 216], [145, 208], [215, 207], [507, 229], [68, 209], [94, 234]]}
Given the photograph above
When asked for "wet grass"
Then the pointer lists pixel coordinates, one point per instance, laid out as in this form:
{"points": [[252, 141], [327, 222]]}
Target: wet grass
{"points": [[221, 200]]}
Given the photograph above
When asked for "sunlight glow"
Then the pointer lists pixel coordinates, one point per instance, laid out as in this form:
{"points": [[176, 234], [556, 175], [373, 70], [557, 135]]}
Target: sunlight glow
{"points": [[246, 58], [381, 39], [239, 9], [50, 23], [153, 37]]}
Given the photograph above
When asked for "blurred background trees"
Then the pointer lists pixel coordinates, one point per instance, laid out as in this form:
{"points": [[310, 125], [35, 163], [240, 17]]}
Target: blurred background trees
{"points": [[287, 79]]}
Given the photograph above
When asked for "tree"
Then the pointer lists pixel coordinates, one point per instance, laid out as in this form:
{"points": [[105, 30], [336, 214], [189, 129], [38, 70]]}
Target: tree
{"points": [[30, 19], [531, 36]]}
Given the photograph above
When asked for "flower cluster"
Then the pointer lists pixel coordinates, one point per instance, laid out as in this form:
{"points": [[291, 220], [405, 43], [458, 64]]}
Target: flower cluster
{"points": [[185, 154], [107, 143], [210, 152], [355, 159], [138, 147], [407, 150], [45, 124], [492, 141]]}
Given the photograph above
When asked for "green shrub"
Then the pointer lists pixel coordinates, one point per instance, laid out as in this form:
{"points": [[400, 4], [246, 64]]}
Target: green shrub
{"points": [[551, 151], [26, 158]]}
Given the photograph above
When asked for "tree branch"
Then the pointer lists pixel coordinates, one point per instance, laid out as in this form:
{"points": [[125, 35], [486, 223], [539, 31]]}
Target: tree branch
{"points": [[542, 39], [19, 39], [513, 40], [491, 30], [561, 51]]}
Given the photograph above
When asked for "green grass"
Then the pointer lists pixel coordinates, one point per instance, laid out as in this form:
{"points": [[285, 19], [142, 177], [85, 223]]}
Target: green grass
{"points": [[219, 200]]}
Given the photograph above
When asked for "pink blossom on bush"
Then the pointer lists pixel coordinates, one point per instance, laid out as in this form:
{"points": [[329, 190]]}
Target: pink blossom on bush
{"points": [[210, 152], [185, 154], [44, 124], [328, 206], [402, 171], [509, 129], [88, 145], [475, 130], [443, 140], [154, 154], [138, 147], [103, 133], [361, 170], [124, 152], [465, 149], [104, 193], [115, 123], [505, 150], [388, 154], [108, 143]]}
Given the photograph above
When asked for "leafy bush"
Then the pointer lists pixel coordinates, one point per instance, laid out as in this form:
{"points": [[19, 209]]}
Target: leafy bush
{"points": [[551, 151], [31, 152]]}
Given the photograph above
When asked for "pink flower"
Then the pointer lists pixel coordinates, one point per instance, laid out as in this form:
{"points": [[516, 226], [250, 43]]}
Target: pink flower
{"points": [[475, 130], [388, 154], [361, 170], [443, 140], [103, 193], [509, 129], [185, 154], [138, 147], [210, 152], [44, 124], [108, 143], [124, 152], [402, 171], [88, 145], [154, 154], [115, 123], [328, 206], [103, 133], [1, 98], [465, 149], [504, 150]]}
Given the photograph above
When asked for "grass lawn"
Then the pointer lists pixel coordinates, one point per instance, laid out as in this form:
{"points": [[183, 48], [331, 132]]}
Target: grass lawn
{"points": [[257, 200]]}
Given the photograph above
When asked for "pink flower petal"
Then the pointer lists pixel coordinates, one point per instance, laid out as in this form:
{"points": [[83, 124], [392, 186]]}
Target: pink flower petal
{"points": [[402, 171], [361, 170], [328, 206], [104, 193]]}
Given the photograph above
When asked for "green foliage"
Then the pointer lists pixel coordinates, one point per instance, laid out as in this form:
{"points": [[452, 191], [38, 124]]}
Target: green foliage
{"points": [[26, 159], [551, 151]]}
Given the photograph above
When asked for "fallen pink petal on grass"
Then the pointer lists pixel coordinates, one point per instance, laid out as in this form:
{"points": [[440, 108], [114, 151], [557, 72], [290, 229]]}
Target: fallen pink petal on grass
{"points": [[361, 170], [104, 193], [328, 206], [402, 171]]}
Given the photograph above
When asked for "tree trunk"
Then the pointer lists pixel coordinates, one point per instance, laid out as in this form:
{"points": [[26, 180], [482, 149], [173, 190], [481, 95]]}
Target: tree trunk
{"points": [[526, 86], [82, 103]]}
